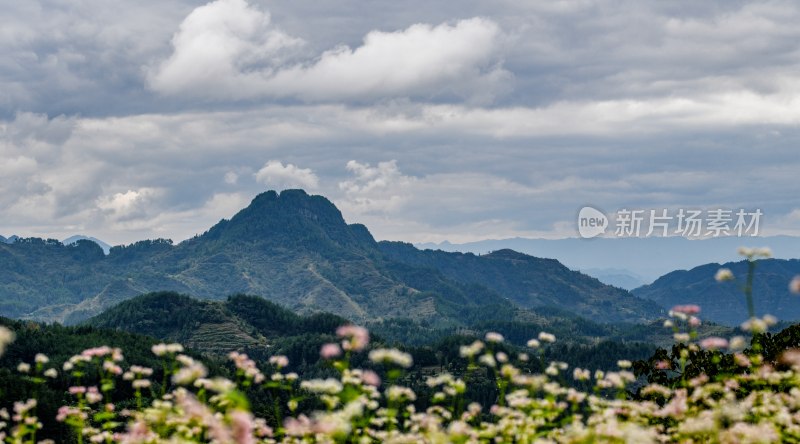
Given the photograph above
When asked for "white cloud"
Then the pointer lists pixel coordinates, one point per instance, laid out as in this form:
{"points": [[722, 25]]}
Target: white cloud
{"points": [[128, 205], [228, 50], [275, 174], [17, 166], [222, 50], [626, 117], [422, 60], [380, 189], [368, 178], [231, 178]]}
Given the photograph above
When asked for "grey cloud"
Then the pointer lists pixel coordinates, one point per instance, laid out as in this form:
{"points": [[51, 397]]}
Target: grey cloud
{"points": [[445, 183], [616, 104], [81, 57], [91, 57]]}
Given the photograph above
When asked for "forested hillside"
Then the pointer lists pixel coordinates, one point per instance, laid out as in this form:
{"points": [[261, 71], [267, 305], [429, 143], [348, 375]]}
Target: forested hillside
{"points": [[530, 282], [297, 250]]}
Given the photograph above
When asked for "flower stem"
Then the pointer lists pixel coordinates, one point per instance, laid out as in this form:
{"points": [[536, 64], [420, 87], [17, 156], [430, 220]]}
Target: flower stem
{"points": [[748, 288]]}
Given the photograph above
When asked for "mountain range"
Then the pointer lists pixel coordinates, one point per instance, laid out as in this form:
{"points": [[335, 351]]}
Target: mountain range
{"points": [[631, 262], [68, 241], [297, 250]]}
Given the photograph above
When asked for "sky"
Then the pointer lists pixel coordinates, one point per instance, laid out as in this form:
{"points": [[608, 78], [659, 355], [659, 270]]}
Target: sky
{"points": [[424, 120]]}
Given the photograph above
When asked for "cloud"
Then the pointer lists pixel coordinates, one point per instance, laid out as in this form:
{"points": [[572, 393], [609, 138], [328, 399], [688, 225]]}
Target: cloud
{"points": [[20, 165], [179, 224], [368, 178], [106, 57], [502, 118], [228, 50], [276, 174], [128, 205], [422, 60], [29, 144], [80, 57], [596, 118], [231, 178], [415, 175], [785, 224], [379, 189], [223, 49], [462, 205]]}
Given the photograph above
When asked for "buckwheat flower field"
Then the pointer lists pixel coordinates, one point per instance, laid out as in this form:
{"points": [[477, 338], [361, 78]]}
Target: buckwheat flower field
{"points": [[711, 390]]}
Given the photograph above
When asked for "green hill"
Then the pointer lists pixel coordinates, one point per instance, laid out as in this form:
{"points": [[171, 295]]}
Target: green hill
{"points": [[202, 325], [724, 302], [217, 327]]}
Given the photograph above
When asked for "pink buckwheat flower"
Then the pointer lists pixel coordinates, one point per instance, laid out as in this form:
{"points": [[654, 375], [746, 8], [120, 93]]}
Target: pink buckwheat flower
{"points": [[689, 309], [714, 343], [355, 338], [330, 351]]}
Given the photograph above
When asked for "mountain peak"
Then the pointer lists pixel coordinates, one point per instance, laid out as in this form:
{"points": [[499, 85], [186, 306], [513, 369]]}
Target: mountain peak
{"points": [[289, 201], [292, 216], [271, 196], [9, 240], [79, 237]]}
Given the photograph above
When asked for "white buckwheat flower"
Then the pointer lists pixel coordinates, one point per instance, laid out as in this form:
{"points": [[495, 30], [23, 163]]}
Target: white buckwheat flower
{"points": [[6, 337], [494, 337], [723, 275], [547, 337], [391, 356]]}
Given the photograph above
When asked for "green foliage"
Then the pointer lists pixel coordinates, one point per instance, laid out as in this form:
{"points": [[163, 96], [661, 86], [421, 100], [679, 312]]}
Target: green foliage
{"points": [[671, 368]]}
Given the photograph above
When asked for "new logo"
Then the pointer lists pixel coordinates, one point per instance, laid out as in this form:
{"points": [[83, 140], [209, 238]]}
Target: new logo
{"points": [[591, 222]]}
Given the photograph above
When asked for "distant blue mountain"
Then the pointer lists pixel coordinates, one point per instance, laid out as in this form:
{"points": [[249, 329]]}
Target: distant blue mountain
{"points": [[724, 302], [647, 258], [72, 239], [616, 276]]}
